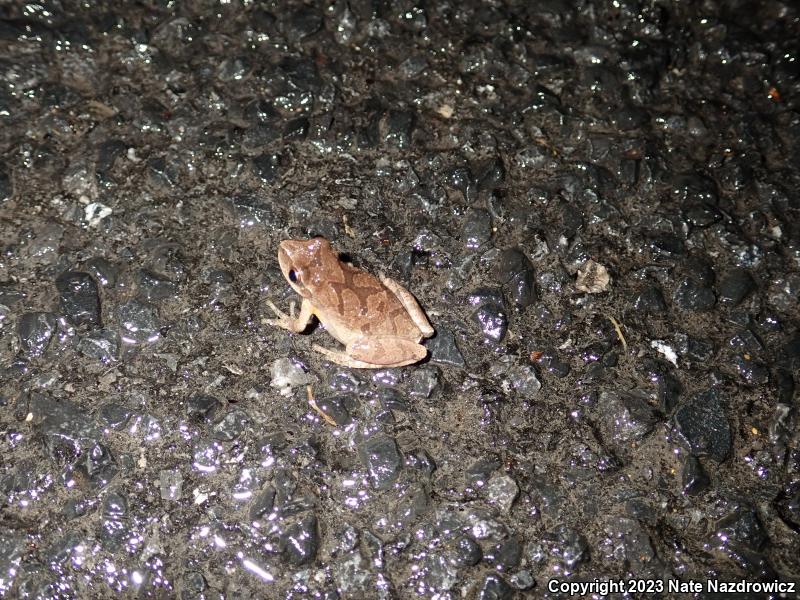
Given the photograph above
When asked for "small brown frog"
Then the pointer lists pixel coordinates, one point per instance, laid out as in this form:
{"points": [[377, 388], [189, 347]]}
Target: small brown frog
{"points": [[379, 322]]}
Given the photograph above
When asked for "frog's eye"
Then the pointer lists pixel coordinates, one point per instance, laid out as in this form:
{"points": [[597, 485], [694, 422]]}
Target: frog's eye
{"points": [[293, 276]]}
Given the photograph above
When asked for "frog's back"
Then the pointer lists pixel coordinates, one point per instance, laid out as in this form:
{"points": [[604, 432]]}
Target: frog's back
{"points": [[364, 306]]}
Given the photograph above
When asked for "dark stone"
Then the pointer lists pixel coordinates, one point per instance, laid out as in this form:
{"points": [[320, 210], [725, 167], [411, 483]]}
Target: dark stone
{"points": [[461, 179], [443, 348], [153, 287], [650, 300], [161, 172], [699, 270], [103, 271], [625, 418], [493, 176], [485, 295], [35, 330], [381, 458], [666, 244], [477, 229], [115, 505], [395, 128], [702, 422], [267, 166], [300, 541], [742, 529], [114, 415], [478, 473], [139, 322], [693, 477], [464, 552], [101, 344], [735, 287], [10, 294], [258, 137], [202, 407], [492, 321], [631, 117], [296, 129], [495, 588], [424, 381], [514, 271], [505, 556], [336, 408], [79, 298], [302, 23], [667, 385], [262, 503], [692, 296], [695, 349], [6, 186], [752, 371], [550, 361], [232, 426]]}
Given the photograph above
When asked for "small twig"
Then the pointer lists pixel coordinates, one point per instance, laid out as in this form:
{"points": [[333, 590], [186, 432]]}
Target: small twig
{"points": [[313, 403], [618, 328]]}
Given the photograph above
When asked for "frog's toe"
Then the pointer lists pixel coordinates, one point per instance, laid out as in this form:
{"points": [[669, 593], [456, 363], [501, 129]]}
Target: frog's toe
{"points": [[278, 312]]}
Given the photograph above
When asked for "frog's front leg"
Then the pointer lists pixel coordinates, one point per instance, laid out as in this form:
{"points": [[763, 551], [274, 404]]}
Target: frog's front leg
{"points": [[377, 352], [297, 325]]}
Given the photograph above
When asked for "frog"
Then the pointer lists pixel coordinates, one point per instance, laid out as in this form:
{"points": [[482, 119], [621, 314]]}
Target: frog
{"points": [[380, 323]]}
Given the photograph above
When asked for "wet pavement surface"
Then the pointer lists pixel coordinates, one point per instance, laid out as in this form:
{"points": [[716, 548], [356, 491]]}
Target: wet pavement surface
{"points": [[596, 204]]}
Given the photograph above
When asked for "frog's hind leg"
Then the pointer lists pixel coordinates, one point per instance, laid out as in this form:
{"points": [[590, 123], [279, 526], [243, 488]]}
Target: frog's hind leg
{"points": [[387, 350], [341, 358], [410, 304], [377, 352]]}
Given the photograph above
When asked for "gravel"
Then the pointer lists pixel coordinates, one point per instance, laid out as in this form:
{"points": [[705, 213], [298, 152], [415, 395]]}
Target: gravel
{"points": [[595, 203]]}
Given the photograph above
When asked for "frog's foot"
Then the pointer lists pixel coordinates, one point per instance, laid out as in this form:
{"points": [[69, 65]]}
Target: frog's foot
{"points": [[341, 358], [283, 320]]}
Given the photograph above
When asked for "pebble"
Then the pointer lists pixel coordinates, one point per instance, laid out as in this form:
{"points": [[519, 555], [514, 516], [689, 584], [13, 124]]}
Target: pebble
{"points": [[494, 587], [35, 330], [105, 272], [101, 344], [690, 295], [170, 483], [693, 477], [477, 230], [153, 287], [443, 348], [490, 315], [735, 287], [514, 271], [79, 298], [287, 374], [424, 381], [381, 458], [702, 422], [300, 541], [501, 491], [6, 185], [650, 300], [139, 322], [464, 552], [202, 407], [741, 529], [625, 418], [232, 426], [592, 278]]}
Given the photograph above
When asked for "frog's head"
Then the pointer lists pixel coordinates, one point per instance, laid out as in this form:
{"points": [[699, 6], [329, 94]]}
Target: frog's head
{"points": [[303, 263]]}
